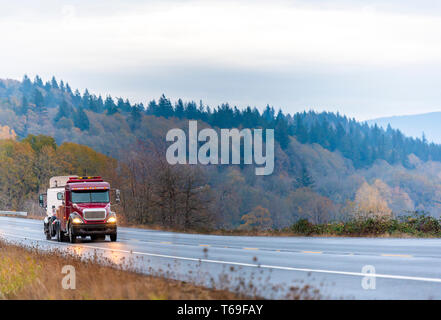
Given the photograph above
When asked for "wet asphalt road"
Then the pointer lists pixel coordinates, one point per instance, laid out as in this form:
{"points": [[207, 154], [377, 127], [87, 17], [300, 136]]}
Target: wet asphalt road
{"points": [[404, 268]]}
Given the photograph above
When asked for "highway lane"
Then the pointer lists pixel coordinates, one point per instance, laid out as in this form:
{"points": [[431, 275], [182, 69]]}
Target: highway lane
{"points": [[405, 268]]}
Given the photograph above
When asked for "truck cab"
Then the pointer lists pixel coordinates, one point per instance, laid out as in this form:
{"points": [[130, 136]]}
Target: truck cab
{"points": [[80, 208]]}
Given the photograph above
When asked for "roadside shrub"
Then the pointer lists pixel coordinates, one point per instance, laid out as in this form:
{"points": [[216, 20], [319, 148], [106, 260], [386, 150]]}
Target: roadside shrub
{"points": [[303, 226], [420, 224]]}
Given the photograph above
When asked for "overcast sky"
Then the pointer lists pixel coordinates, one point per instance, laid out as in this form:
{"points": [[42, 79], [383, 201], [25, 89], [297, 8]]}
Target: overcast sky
{"points": [[365, 59]]}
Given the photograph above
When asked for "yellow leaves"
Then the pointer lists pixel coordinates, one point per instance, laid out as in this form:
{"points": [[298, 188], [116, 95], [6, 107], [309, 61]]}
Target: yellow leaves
{"points": [[370, 202], [82, 160], [26, 166], [259, 218], [16, 172], [40, 141]]}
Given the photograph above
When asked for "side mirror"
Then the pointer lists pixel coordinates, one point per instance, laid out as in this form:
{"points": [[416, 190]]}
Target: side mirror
{"points": [[60, 196], [117, 196], [41, 200]]}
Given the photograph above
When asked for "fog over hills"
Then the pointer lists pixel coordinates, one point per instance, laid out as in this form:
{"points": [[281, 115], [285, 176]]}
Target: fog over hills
{"points": [[414, 125]]}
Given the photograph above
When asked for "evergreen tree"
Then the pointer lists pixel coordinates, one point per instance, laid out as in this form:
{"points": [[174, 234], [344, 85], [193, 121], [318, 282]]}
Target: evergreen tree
{"points": [[301, 131], [85, 100], [68, 89], [62, 88], [305, 179], [50, 99], [81, 120], [179, 109], [268, 114], [76, 99], [54, 83], [24, 106], [38, 100], [47, 86], [38, 82], [151, 107], [109, 105], [191, 111], [120, 106], [63, 111], [99, 104], [281, 130], [165, 108], [126, 107], [135, 117], [93, 105], [26, 86]]}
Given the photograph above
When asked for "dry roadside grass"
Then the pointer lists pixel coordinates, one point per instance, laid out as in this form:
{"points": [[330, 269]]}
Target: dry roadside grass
{"points": [[29, 274]]}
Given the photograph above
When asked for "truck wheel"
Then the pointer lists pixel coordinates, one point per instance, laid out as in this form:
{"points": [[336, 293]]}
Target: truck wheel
{"points": [[60, 237], [113, 237], [72, 237], [46, 230]]}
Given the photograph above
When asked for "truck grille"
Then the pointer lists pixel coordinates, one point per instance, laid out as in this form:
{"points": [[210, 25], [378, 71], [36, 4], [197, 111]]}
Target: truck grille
{"points": [[94, 214]]}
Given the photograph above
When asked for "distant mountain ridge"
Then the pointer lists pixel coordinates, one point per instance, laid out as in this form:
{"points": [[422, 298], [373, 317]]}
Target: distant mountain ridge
{"points": [[414, 125]]}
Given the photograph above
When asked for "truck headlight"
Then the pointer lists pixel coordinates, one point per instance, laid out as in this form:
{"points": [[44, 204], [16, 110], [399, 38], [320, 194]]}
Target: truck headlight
{"points": [[76, 220], [112, 219]]}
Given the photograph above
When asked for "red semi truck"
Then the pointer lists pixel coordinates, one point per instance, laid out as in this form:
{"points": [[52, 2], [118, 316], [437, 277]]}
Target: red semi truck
{"points": [[79, 206]]}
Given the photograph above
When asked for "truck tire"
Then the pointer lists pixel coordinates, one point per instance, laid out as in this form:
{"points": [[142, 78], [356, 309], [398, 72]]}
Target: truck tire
{"points": [[60, 236], [72, 237], [52, 229], [46, 230], [113, 237]]}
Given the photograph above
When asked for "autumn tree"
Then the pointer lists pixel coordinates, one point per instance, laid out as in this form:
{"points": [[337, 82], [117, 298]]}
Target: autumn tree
{"points": [[153, 191], [370, 203], [258, 219], [17, 179]]}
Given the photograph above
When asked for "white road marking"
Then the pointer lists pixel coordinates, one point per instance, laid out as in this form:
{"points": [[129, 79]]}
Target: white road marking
{"points": [[263, 266]]}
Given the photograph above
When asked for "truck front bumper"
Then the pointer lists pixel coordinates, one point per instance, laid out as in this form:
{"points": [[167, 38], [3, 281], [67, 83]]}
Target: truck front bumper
{"points": [[91, 229]]}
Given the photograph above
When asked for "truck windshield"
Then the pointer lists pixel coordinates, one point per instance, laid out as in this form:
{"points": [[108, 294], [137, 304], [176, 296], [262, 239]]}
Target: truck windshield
{"points": [[86, 196]]}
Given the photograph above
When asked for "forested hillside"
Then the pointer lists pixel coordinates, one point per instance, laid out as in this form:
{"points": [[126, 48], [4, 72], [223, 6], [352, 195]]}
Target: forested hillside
{"points": [[28, 106], [328, 167]]}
